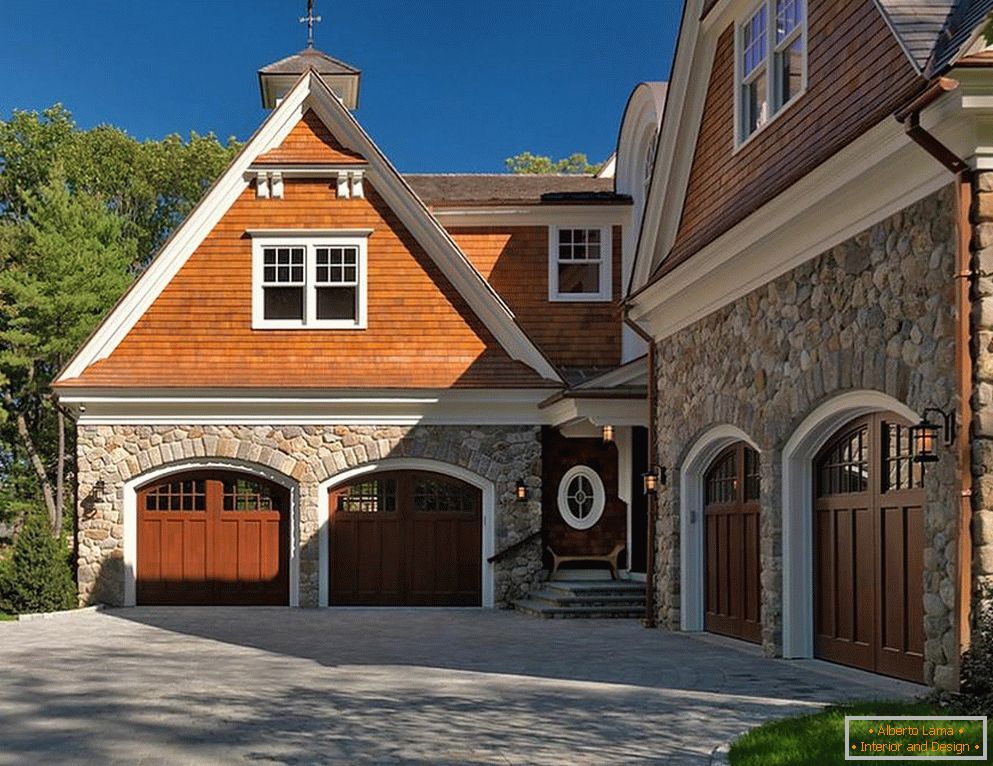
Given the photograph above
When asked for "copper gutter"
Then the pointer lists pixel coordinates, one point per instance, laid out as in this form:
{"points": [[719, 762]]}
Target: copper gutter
{"points": [[653, 459], [910, 116]]}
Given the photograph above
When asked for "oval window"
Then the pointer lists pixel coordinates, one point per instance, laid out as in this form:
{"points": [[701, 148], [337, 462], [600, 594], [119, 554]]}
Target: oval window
{"points": [[581, 497]]}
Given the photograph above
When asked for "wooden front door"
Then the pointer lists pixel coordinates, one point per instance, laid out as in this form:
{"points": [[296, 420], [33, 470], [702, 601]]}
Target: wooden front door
{"points": [[869, 548], [407, 538], [732, 602], [213, 539]]}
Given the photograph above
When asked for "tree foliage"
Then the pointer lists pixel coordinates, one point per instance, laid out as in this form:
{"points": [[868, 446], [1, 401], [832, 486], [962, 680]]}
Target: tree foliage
{"points": [[81, 214], [526, 163], [38, 577]]}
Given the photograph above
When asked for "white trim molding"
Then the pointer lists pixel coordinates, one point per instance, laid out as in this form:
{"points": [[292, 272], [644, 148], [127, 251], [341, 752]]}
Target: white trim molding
{"points": [[798, 507], [691, 526], [604, 263], [486, 487], [130, 514]]}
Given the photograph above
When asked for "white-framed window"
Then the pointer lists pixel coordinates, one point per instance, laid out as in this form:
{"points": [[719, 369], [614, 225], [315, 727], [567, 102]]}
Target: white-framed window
{"points": [[579, 263], [299, 282], [582, 497], [770, 63]]}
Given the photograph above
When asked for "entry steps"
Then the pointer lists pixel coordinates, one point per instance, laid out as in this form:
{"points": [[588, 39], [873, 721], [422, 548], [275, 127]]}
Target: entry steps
{"points": [[585, 598]]}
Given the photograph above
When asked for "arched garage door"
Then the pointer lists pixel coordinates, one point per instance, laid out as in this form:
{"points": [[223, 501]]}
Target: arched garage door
{"points": [[406, 538], [207, 538], [869, 549]]}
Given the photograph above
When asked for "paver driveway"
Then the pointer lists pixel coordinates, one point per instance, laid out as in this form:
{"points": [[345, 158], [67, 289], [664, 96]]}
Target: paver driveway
{"points": [[399, 686]]}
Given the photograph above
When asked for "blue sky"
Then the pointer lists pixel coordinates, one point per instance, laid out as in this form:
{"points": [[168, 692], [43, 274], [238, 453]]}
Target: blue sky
{"points": [[447, 85]]}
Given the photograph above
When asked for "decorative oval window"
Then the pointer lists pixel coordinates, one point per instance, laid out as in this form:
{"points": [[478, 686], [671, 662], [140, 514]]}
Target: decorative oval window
{"points": [[581, 497]]}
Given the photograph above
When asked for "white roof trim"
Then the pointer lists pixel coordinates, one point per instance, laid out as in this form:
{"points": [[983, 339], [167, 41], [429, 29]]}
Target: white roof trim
{"points": [[313, 93]]}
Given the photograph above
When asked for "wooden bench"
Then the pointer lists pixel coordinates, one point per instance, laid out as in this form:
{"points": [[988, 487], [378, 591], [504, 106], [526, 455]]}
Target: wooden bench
{"points": [[610, 559]]}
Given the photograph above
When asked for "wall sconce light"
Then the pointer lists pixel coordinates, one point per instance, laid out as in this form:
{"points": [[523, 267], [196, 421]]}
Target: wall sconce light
{"points": [[608, 434], [925, 435], [653, 479], [99, 486], [522, 491]]}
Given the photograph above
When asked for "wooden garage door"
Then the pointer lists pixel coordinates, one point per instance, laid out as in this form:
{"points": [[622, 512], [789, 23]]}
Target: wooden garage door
{"points": [[209, 538], [733, 605], [406, 539], [869, 548]]}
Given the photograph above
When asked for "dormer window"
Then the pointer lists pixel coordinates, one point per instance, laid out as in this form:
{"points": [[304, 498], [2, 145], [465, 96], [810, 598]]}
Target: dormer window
{"points": [[771, 63], [317, 283], [579, 264]]}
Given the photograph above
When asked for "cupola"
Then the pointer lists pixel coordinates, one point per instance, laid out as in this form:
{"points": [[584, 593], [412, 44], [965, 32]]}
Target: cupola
{"points": [[276, 79]]}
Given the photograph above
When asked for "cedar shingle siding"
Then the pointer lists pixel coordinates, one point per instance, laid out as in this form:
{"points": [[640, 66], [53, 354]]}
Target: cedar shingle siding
{"points": [[857, 76]]}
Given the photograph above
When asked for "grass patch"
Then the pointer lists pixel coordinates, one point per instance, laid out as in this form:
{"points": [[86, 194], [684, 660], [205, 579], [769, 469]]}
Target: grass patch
{"points": [[5, 617], [818, 739]]}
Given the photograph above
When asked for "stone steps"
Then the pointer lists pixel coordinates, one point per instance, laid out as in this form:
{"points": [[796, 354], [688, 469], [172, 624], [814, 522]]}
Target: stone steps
{"points": [[602, 599]]}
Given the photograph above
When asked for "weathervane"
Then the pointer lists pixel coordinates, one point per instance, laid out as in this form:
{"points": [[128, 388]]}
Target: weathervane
{"points": [[309, 20]]}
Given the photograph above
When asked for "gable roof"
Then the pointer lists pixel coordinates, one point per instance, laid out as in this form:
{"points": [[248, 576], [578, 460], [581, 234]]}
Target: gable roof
{"points": [[934, 32], [311, 92], [307, 59], [482, 189]]}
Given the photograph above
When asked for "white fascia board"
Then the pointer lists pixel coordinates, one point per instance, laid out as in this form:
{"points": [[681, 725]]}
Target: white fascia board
{"points": [[188, 237], [292, 170], [599, 412], [634, 372], [677, 142], [534, 215], [401, 198], [359, 407], [867, 181]]}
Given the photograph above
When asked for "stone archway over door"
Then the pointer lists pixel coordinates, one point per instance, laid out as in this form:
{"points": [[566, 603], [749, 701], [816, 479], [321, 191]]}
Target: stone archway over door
{"points": [[209, 537], [868, 548], [733, 588]]}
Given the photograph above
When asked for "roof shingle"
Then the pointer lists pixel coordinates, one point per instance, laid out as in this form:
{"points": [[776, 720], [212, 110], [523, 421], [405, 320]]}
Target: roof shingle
{"points": [[481, 189]]}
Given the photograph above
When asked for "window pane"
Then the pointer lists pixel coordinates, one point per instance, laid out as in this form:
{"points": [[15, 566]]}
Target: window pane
{"points": [[336, 303], [565, 252], [789, 71], [789, 15], [754, 106], [579, 278], [283, 303], [753, 42]]}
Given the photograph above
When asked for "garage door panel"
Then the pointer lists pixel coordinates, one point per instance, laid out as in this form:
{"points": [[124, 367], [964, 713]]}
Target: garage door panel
{"points": [[194, 547], [869, 546], [418, 553]]}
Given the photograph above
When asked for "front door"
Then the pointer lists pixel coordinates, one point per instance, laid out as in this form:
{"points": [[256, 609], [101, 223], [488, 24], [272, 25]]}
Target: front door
{"points": [[406, 538]]}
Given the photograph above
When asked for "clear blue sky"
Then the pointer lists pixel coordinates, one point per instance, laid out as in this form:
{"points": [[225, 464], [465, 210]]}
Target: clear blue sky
{"points": [[447, 85]]}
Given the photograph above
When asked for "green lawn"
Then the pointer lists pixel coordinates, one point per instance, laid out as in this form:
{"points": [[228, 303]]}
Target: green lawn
{"points": [[5, 616], [819, 739]]}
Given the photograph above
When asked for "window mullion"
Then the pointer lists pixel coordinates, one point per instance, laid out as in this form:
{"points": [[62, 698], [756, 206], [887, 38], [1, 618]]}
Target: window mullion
{"points": [[310, 285]]}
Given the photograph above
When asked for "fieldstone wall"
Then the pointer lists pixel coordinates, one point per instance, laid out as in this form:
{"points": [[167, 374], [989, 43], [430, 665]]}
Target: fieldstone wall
{"points": [[309, 455], [982, 399], [876, 312]]}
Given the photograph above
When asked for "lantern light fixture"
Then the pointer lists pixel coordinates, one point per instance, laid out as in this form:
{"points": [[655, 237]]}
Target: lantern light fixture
{"points": [[924, 435], [99, 486], [653, 479], [522, 491], [608, 434]]}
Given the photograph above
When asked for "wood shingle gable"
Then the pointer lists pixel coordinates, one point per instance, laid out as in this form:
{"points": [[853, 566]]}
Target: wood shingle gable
{"points": [[498, 353]]}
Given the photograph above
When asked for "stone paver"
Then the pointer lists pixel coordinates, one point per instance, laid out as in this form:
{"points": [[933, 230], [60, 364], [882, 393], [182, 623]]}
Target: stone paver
{"points": [[183, 685]]}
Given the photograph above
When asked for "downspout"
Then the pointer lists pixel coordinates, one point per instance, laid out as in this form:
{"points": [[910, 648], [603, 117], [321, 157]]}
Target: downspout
{"points": [[910, 117], [653, 459]]}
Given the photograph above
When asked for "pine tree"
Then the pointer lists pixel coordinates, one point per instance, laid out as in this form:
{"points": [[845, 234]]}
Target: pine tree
{"points": [[37, 578]]}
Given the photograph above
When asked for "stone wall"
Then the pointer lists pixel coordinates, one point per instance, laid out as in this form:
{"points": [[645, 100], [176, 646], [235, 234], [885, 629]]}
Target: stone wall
{"points": [[874, 313], [982, 399], [309, 455]]}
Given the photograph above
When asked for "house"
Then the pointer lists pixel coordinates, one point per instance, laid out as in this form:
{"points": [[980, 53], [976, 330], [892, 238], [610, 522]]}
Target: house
{"points": [[813, 271], [337, 384]]}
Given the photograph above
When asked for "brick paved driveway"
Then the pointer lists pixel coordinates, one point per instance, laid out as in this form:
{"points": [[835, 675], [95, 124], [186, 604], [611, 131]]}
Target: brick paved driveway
{"points": [[217, 686]]}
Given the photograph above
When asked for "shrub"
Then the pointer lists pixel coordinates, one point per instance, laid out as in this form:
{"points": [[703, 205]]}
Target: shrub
{"points": [[976, 696], [37, 578]]}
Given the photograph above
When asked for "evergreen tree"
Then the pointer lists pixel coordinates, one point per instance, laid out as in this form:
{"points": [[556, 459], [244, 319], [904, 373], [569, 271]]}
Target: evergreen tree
{"points": [[37, 578]]}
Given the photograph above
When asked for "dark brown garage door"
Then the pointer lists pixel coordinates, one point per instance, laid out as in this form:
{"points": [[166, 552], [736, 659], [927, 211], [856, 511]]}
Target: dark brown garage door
{"points": [[731, 541], [406, 539], [869, 548], [209, 538]]}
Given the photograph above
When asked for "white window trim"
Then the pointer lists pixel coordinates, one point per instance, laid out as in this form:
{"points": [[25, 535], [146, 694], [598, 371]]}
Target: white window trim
{"points": [[768, 67], [606, 266], [599, 497], [310, 241]]}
